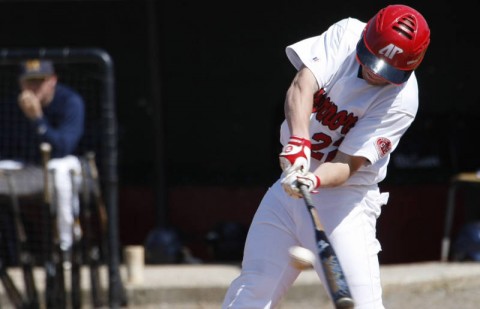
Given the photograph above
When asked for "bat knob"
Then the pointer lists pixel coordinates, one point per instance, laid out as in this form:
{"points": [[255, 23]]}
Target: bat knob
{"points": [[344, 303], [45, 147]]}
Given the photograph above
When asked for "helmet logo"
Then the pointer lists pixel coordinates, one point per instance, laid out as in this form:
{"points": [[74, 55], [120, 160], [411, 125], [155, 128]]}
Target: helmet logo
{"points": [[390, 51]]}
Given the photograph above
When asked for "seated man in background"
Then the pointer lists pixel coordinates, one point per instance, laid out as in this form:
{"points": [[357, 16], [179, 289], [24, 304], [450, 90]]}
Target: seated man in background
{"points": [[50, 112]]}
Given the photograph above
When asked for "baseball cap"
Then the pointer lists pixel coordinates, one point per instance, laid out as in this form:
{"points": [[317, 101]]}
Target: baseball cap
{"points": [[36, 68]]}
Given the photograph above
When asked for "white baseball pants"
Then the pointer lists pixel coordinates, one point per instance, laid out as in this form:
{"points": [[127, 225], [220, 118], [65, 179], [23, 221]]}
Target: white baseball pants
{"points": [[65, 201], [349, 216]]}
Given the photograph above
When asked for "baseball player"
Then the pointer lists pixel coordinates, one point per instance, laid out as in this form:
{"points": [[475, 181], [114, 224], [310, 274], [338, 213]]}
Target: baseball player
{"points": [[355, 94], [49, 112]]}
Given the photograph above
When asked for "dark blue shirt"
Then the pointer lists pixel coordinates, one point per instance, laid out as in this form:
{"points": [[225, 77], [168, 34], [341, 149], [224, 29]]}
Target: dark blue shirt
{"points": [[63, 121], [62, 126]]}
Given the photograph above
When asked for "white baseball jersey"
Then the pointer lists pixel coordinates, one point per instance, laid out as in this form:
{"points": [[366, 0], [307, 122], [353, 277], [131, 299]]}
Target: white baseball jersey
{"points": [[350, 115]]}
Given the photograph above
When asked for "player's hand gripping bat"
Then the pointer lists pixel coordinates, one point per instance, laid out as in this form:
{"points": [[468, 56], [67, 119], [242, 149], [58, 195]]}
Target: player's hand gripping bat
{"points": [[337, 285], [26, 258], [55, 293]]}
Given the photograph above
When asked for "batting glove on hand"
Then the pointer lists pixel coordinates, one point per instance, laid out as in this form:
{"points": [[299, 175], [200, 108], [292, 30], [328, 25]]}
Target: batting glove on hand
{"points": [[292, 181], [295, 156]]}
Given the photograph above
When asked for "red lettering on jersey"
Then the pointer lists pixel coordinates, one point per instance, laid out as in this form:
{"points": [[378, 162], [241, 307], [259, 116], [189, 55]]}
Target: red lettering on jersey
{"points": [[327, 113], [384, 145]]}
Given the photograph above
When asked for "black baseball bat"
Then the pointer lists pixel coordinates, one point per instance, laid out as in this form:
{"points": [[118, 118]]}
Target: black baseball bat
{"points": [[93, 251], [25, 256], [337, 285], [76, 297], [102, 214], [97, 192], [11, 289]]}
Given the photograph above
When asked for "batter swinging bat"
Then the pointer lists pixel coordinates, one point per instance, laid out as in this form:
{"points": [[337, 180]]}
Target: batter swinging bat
{"points": [[336, 282], [26, 258]]}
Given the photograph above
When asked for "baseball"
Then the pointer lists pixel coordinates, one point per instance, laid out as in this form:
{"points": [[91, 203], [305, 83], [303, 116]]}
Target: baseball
{"points": [[301, 258]]}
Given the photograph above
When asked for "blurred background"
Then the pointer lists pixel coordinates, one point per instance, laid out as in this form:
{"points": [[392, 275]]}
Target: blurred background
{"points": [[199, 98]]}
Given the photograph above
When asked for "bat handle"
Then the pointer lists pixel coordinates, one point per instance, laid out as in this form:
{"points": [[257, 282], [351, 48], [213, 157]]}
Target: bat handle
{"points": [[45, 149], [311, 208], [93, 166]]}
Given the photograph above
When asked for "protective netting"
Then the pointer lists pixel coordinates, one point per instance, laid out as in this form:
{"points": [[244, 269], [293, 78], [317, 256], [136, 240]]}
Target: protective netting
{"points": [[20, 143]]}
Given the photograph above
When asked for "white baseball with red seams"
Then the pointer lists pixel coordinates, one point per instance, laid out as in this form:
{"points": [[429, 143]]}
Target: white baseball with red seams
{"points": [[301, 258]]}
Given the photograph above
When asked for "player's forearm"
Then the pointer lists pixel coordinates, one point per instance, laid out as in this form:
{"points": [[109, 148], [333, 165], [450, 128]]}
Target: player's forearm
{"points": [[333, 174], [338, 171], [63, 143]]}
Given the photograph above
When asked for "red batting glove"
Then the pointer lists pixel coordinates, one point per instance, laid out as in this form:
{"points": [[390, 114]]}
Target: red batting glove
{"points": [[295, 156], [291, 182]]}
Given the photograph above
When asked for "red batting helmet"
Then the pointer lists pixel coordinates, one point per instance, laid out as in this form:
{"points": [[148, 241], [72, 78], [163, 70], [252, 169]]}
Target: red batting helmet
{"points": [[394, 42]]}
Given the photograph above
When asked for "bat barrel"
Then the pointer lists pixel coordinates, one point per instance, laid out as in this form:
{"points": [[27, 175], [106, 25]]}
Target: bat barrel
{"points": [[336, 282]]}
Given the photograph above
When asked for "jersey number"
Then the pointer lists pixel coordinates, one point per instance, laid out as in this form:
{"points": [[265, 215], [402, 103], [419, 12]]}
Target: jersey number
{"points": [[324, 141]]}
